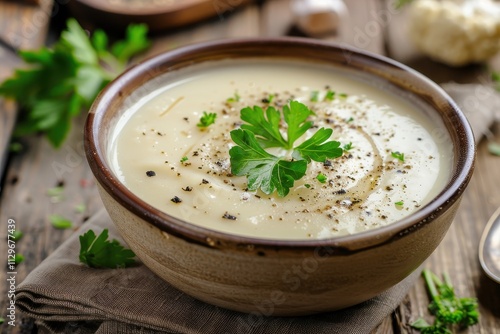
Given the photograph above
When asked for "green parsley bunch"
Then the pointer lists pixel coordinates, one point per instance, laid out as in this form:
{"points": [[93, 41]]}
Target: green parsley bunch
{"points": [[448, 309], [62, 80]]}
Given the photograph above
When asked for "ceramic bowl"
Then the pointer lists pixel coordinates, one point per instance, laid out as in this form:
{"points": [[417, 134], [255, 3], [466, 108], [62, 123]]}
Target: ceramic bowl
{"points": [[283, 277], [159, 15]]}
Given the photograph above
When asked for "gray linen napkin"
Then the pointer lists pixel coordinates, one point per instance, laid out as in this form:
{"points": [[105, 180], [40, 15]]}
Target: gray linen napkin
{"points": [[65, 296]]}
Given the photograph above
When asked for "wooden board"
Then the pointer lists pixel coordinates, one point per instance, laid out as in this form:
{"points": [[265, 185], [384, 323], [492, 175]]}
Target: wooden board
{"points": [[23, 27]]}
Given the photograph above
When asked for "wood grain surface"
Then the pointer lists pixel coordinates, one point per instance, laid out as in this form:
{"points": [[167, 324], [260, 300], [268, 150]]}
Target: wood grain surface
{"points": [[22, 26], [373, 26]]}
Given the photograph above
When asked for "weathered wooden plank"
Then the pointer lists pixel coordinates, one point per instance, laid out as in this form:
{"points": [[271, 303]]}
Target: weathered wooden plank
{"points": [[22, 26], [240, 23]]}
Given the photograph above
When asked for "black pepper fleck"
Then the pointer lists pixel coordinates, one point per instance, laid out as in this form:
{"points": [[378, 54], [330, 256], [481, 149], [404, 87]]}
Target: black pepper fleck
{"points": [[150, 173], [176, 200], [228, 216]]}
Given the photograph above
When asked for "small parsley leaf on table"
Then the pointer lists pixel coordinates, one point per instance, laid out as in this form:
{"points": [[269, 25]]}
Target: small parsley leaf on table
{"points": [[18, 258], [99, 252], [60, 222]]}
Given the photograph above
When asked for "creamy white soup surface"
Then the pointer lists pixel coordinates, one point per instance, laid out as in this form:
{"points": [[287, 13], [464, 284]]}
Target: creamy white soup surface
{"points": [[391, 166]]}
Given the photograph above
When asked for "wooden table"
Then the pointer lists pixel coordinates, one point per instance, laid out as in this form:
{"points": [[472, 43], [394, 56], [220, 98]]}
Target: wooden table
{"points": [[373, 26]]}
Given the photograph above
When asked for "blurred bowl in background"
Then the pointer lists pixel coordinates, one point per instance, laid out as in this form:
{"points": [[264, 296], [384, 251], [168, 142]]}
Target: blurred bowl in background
{"points": [[157, 14]]}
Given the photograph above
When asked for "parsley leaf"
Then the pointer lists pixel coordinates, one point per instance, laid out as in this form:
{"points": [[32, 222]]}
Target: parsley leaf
{"points": [[321, 178], [398, 155], [330, 95], [269, 99], [348, 146], [18, 258], [135, 42], [98, 252], [316, 149], [60, 222], [264, 170], [296, 117], [17, 235], [494, 148], [234, 98], [495, 76], [400, 3], [207, 119], [80, 208], [63, 80], [314, 96], [266, 127]]}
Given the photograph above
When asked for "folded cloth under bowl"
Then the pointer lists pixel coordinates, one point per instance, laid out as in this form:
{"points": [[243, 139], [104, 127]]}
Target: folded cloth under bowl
{"points": [[64, 295]]}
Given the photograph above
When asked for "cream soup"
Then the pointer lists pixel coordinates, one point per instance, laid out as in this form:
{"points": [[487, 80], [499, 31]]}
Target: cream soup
{"points": [[392, 162]]}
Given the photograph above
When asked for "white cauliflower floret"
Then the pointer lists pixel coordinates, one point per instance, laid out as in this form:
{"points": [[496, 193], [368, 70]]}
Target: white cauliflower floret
{"points": [[456, 32]]}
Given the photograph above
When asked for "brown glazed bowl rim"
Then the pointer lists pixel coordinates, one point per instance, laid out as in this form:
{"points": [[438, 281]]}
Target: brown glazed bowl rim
{"points": [[381, 67]]}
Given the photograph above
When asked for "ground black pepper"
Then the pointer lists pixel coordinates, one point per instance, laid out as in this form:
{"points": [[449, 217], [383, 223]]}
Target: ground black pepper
{"points": [[228, 216], [176, 200]]}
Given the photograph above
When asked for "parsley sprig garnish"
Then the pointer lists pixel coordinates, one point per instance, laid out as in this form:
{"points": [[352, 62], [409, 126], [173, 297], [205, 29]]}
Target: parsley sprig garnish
{"points": [[262, 130], [66, 78], [99, 252]]}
